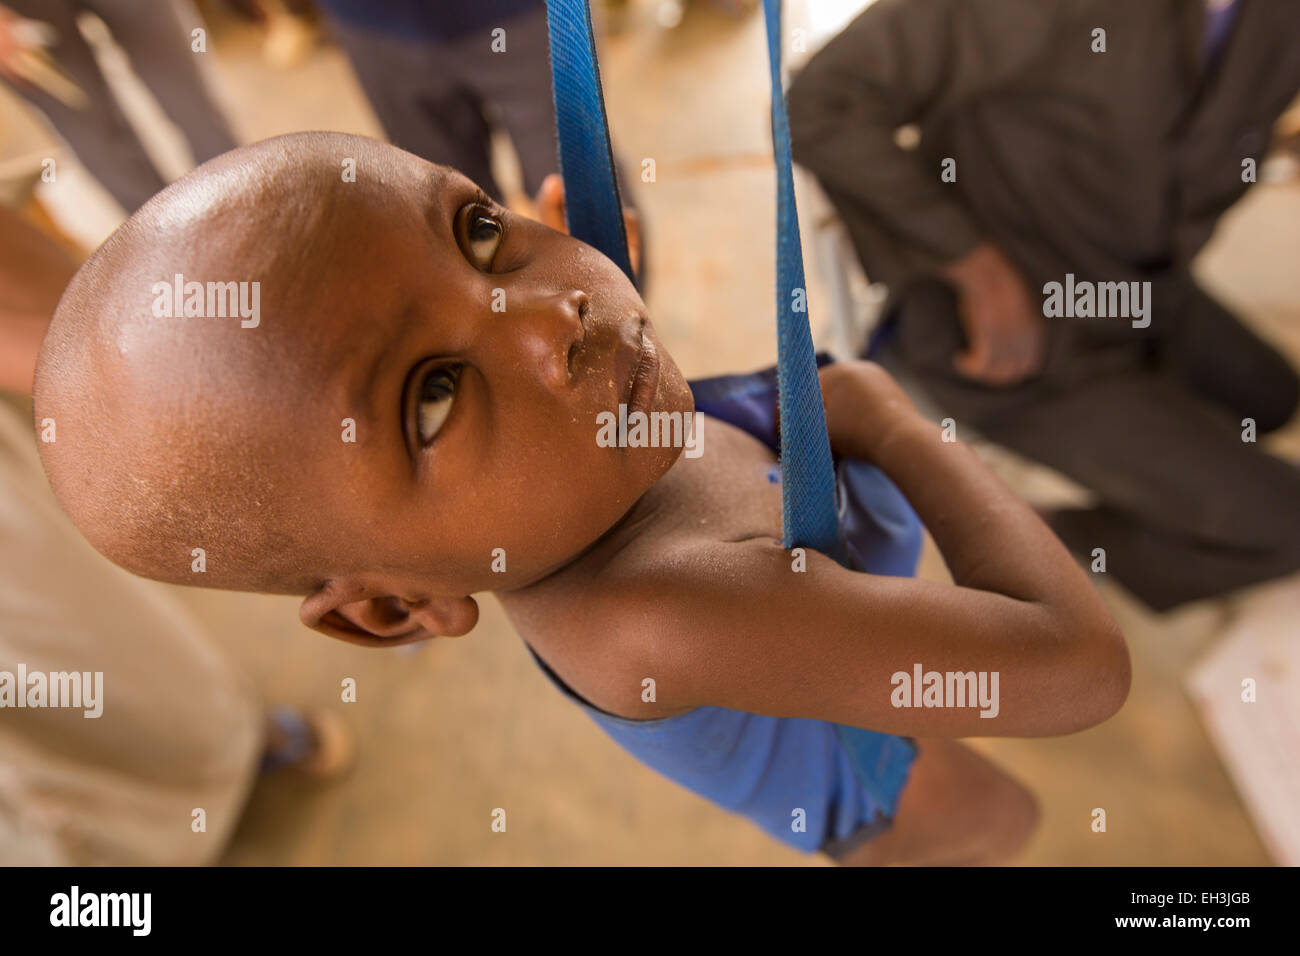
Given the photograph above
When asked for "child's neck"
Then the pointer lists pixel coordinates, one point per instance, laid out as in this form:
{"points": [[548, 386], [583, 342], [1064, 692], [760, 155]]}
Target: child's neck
{"points": [[645, 511]]}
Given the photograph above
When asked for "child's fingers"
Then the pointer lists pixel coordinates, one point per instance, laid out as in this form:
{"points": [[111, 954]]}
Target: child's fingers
{"points": [[632, 223], [550, 212], [550, 203]]}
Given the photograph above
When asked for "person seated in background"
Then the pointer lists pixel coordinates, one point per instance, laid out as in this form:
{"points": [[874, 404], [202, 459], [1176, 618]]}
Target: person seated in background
{"points": [[1086, 149]]}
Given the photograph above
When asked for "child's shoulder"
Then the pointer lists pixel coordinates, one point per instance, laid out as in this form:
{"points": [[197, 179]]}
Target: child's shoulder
{"points": [[704, 537]]}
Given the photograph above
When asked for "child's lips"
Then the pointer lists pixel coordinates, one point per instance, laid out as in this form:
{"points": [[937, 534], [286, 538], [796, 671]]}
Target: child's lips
{"points": [[645, 376]]}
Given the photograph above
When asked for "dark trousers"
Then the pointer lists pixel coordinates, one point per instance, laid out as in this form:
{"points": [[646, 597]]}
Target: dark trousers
{"points": [[1152, 424], [157, 42], [432, 97]]}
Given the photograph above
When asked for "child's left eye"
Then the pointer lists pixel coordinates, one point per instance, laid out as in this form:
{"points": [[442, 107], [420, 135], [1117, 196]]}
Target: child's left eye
{"points": [[437, 392], [483, 234]]}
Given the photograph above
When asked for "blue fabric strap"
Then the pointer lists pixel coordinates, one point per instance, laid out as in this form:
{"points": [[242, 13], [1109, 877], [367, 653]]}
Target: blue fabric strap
{"points": [[807, 473], [595, 216], [591, 202]]}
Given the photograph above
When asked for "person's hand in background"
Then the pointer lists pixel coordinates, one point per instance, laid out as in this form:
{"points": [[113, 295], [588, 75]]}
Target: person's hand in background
{"points": [[1005, 334], [549, 210]]}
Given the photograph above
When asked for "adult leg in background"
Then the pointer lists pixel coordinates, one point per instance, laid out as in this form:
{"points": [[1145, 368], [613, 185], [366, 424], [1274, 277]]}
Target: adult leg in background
{"points": [[517, 83], [1222, 360], [420, 103], [1187, 510], [156, 37], [99, 134]]}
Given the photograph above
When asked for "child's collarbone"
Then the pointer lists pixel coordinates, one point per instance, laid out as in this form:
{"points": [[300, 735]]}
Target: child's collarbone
{"points": [[731, 492]]}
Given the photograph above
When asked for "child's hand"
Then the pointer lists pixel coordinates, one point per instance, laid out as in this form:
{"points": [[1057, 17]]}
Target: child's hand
{"points": [[863, 406], [550, 212]]}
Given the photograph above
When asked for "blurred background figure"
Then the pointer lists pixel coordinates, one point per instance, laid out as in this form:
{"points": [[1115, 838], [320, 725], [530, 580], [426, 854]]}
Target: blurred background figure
{"points": [[979, 149], [157, 37], [438, 76]]}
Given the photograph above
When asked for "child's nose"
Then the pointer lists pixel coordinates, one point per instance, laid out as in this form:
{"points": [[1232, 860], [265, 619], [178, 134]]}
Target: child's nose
{"points": [[551, 329]]}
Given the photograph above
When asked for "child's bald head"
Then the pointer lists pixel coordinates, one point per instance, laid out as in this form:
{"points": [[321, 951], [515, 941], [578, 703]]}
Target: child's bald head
{"points": [[409, 383], [158, 445]]}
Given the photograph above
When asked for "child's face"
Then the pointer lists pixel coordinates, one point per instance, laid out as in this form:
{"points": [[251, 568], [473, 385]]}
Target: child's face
{"points": [[473, 349]]}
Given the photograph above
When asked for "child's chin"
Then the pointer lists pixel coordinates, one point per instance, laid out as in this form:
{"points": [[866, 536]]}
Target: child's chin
{"points": [[673, 394]]}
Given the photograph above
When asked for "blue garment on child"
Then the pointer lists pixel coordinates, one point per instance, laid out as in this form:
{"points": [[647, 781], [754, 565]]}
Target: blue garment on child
{"points": [[847, 781]]}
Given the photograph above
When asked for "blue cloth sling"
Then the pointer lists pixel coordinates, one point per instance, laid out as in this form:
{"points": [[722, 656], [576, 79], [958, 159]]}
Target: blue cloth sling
{"points": [[592, 207]]}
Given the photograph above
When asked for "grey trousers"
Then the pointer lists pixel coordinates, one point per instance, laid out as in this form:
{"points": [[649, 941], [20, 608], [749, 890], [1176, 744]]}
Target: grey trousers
{"points": [[433, 98], [157, 40], [1152, 425]]}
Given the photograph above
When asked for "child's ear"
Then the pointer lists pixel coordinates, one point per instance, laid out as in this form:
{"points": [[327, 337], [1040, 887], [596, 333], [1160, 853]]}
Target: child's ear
{"points": [[354, 613]]}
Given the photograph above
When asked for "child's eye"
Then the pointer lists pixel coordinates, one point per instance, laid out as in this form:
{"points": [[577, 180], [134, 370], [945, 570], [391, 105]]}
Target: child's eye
{"points": [[437, 392], [483, 233]]}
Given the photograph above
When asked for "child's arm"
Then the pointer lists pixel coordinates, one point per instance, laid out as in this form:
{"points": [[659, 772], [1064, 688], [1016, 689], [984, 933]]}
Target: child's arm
{"points": [[731, 624]]}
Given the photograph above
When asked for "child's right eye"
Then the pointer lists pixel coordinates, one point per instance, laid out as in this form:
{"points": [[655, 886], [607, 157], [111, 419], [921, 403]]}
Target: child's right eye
{"points": [[484, 238], [480, 233], [437, 392]]}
